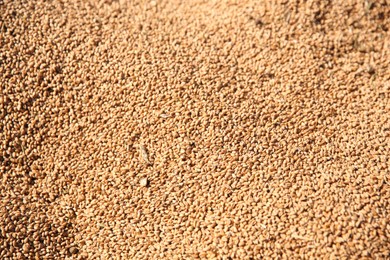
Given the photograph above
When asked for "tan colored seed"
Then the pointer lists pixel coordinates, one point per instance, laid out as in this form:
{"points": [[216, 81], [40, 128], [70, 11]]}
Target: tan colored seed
{"points": [[26, 248]]}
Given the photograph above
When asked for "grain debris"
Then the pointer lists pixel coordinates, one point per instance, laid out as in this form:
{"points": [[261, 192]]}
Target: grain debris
{"points": [[144, 154], [144, 182]]}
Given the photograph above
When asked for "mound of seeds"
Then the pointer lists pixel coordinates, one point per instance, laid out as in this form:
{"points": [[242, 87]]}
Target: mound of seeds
{"points": [[194, 129]]}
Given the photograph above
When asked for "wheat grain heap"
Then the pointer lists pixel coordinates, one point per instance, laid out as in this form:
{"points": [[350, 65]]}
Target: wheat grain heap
{"points": [[194, 129]]}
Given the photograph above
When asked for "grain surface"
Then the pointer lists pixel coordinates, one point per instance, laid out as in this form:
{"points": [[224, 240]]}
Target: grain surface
{"points": [[194, 129]]}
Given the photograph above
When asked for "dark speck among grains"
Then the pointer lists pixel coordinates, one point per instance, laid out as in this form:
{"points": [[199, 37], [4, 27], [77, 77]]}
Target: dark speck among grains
{"points": [[194, 129]]}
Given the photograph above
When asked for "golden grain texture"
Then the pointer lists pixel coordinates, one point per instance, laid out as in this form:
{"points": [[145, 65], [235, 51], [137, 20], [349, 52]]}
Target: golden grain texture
{"points": [[194, 129]]}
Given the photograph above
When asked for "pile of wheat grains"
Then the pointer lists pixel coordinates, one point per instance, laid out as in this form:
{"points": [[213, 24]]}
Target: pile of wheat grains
{"points": [[194, 129]]}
